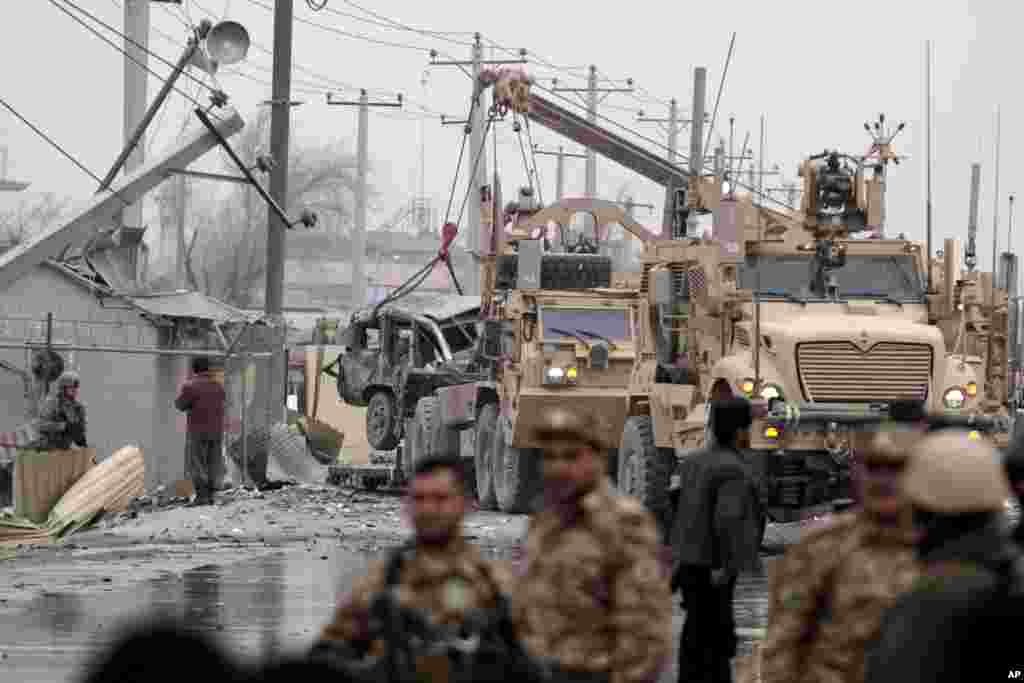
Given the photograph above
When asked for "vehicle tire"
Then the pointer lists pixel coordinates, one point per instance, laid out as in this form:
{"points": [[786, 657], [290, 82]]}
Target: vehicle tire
{"points": [[435, 439], [382, 421], [484, 451], [645, 471], [516, 474]]}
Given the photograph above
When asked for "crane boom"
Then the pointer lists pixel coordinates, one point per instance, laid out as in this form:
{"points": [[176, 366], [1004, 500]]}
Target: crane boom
{"points": [[609, 145]]}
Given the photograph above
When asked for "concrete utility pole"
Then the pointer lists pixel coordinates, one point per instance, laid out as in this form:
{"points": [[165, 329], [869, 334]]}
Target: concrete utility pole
{"points": [[672, 127], [592, 96], [476, 149], [280, 124], [358, 292], [995, 201], [1009, 228], [561, 156], [700, 78], [136, 77], [476, 164]]}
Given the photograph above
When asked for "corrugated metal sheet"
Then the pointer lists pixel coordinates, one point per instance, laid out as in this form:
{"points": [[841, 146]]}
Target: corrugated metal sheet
{"points": [[189, 305]]}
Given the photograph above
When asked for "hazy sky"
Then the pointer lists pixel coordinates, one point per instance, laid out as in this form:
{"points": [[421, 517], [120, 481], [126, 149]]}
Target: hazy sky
{"points": [[817, 71]]}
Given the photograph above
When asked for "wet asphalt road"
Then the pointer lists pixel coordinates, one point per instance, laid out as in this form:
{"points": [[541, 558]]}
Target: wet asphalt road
{"points": [[256, 607]]}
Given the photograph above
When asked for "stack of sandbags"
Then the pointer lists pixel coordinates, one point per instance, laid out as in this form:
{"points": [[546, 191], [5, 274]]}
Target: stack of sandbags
{"points": [[107, 487]]}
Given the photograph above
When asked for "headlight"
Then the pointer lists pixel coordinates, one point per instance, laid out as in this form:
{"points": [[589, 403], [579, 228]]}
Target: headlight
{"points": [[747, 386], [771, 391], [953, 398], [557, 375]]}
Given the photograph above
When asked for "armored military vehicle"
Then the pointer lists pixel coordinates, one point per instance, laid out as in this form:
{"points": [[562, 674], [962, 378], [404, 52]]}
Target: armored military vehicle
{"points": [[803, 307]]}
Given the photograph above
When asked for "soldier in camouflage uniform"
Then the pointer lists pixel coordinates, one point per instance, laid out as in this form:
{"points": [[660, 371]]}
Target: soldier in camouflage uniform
{"points": [[961, 620], [830, 590], [594, 599], [445, 575], [61, 421]]}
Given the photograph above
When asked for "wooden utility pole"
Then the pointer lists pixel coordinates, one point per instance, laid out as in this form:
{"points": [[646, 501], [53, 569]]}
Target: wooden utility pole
{"points": [[280, 124], [358, 292]]}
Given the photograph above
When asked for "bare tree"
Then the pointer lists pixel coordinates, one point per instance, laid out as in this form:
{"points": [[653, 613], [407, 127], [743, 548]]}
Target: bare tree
{"points": [[30, 217], [226, 254]]}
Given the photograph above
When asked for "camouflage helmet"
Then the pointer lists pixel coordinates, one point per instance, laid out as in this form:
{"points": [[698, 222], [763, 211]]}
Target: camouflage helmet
{"points": [[950, 473], [561, 424], [68, 378]]}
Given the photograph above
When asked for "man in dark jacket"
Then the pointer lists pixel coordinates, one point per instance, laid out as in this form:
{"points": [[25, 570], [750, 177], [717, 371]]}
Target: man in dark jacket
{"points": [[717, 535], [961, 619], [202, 397]]}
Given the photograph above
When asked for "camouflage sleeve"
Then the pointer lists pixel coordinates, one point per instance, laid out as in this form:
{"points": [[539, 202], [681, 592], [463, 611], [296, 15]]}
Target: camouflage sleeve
{"points": [[796, 586], [641, 603], [50, 417], [351, 622]]}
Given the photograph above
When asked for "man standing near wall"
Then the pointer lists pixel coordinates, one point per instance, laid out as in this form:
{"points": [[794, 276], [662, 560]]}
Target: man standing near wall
{"points": [[203, 397]]}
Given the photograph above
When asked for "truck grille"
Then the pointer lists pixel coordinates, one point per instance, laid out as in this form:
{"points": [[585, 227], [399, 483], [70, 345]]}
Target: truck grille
{"points": [[839, 371]]}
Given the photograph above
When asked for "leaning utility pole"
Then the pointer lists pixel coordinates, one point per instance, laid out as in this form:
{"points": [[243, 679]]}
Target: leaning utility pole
{"points": [[280, 124], [561, 156], [592, 97], [358, 291]]}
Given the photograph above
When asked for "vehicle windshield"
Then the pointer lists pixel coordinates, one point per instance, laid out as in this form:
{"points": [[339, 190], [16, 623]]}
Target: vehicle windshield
{"points": [[892, 276], [594, 323]]}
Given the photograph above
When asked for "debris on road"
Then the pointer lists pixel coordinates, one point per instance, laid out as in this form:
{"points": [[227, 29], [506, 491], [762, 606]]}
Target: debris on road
{"points": [[106, 487]]}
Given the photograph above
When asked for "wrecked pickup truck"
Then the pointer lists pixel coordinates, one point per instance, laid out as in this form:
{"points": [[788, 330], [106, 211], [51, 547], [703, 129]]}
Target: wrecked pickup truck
{"points": [[398, 353]]}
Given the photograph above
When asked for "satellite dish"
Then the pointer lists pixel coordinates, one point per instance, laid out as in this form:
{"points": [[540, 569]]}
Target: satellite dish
{"points": [[227, 42]]}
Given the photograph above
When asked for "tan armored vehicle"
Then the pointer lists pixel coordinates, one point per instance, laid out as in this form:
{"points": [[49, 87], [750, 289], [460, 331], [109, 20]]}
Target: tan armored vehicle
{"points": [[554, 332], [798, 307]]}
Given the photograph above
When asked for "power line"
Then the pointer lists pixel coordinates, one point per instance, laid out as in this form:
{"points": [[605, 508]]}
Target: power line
{"points": [[349, 34], [70, 157], [133, 59], [122, 35], [384, 22]]}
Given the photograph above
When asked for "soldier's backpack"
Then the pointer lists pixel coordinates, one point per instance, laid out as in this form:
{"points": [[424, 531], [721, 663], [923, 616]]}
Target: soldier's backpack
{"points": [[483, 647]]}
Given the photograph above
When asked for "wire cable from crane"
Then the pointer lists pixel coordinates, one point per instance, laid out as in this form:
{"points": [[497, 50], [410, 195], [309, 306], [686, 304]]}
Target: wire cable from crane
{"points": [[518, 128], [533, 157], [472, 173]]}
